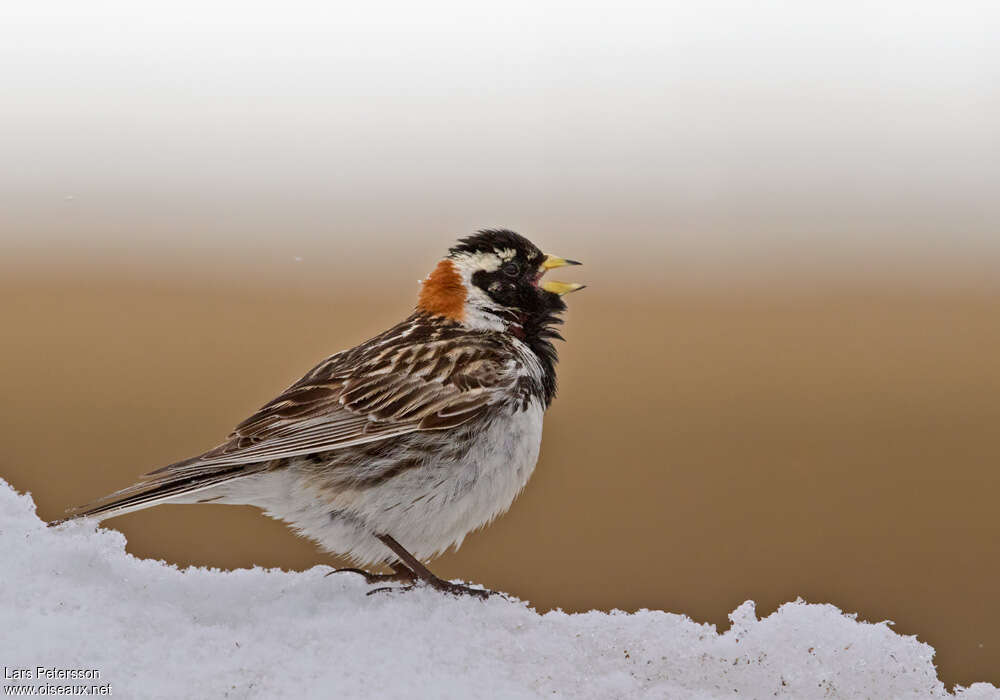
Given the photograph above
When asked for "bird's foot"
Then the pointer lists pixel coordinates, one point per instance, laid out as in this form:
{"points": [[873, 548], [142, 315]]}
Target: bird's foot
{"points": [[425, 576], [398, 575], [459, 589], [391, 589], [438, 584]]}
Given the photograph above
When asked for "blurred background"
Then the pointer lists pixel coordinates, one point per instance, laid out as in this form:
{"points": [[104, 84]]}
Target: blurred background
{"points": [[783, 379]]}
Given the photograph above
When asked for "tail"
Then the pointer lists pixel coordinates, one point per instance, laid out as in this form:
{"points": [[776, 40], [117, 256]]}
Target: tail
{"points": [[171, 484]]}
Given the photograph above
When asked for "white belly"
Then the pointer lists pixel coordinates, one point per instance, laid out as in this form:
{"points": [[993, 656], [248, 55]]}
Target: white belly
{"points": [[426, 509]]}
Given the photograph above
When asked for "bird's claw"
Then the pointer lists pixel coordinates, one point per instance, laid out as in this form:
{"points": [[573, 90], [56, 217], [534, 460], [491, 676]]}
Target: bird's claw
{"points": [[405, 576], [455, 589], [391, 589]]}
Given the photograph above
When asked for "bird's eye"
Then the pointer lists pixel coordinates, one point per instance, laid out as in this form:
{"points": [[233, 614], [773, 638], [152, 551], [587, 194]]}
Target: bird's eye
{"points": [[512, 269]]}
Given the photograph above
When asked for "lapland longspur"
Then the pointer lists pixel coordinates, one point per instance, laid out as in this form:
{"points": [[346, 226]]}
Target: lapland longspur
{"points": [[394, 450]]}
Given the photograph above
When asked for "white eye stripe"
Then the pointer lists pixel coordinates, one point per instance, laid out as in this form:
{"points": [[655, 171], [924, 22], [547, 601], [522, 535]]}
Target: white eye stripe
{"points": [[480, 309], [471, 262]]}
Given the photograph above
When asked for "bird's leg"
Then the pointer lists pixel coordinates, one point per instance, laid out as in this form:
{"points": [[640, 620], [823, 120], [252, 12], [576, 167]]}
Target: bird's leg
{"points": [[425, 575], [400, 573]]}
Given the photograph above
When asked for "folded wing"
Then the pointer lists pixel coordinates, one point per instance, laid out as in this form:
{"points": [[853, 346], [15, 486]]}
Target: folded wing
{"points": [[391, 389]]}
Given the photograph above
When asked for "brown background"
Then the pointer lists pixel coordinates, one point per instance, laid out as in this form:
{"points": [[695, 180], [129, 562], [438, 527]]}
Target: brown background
{"points": [[838, 444], [783, 380]]}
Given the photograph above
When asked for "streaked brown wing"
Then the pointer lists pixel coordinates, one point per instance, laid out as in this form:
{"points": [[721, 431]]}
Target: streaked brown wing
{"points": [[355, 398]]}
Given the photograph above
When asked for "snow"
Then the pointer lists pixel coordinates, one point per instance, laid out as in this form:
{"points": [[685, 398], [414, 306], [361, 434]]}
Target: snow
{"points": [[72, 598]]}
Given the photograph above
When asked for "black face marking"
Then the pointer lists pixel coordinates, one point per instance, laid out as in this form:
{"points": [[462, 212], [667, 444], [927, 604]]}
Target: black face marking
{"points": [[514, 286], [531, 310]]}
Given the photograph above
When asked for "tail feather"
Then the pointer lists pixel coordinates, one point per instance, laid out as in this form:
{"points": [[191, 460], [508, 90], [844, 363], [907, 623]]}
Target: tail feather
{"points": [[164, 488]]}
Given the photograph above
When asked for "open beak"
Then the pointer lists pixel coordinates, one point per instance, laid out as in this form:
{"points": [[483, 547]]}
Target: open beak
{"points": [[560, 288]]}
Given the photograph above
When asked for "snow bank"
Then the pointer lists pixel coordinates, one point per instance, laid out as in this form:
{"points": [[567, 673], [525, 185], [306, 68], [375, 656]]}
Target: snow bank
{"points": [[71, 598]]}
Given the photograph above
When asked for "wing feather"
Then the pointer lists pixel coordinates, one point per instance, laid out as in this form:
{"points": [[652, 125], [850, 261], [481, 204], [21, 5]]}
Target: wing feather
{"points": [[418, 376], [356, 398]]}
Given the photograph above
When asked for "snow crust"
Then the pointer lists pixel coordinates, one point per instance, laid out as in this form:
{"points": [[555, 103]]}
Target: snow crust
{"points": [[72, 598]]}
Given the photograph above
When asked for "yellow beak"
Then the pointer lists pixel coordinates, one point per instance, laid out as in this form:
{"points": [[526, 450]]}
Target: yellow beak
{"points": [[560, 288], [553, 261]]}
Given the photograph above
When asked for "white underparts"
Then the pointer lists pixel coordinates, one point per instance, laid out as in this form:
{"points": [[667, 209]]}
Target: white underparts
{"points": [[427, 509]]}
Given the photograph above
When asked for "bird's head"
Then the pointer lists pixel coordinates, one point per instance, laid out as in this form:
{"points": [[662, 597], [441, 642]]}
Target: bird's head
{"points": [[492, 280]]}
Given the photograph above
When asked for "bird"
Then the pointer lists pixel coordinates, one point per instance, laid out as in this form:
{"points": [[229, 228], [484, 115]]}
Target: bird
{"points": [[391, 452]]}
